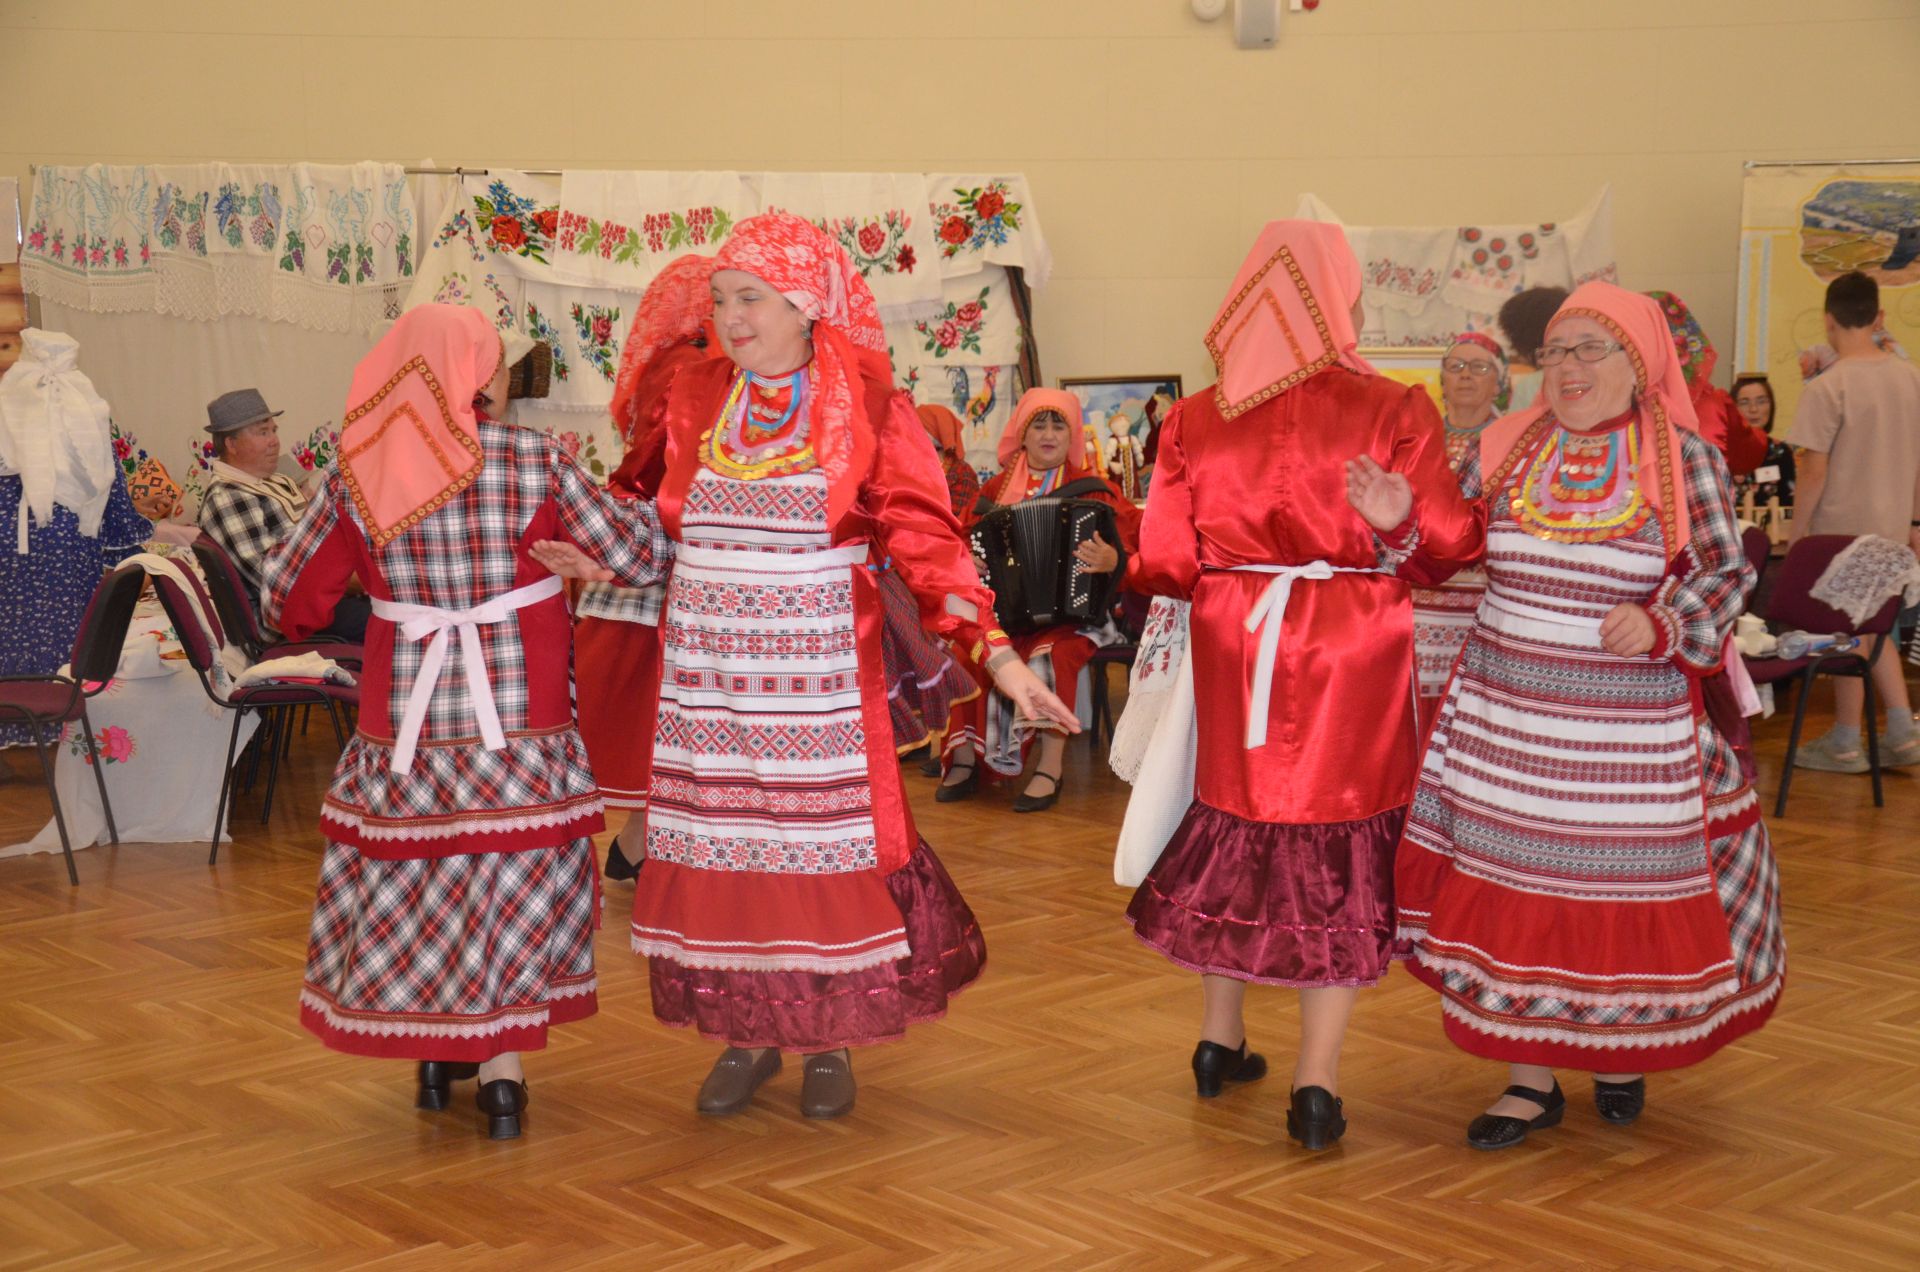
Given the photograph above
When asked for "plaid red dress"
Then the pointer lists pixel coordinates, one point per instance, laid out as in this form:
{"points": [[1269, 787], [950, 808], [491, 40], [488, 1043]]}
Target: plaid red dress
{"points": [[456, 904]]}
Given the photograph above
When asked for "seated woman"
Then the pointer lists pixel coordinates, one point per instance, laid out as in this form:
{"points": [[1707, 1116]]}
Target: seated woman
{"points": [[1743, 445], [1753, 398], [1042, 453]]}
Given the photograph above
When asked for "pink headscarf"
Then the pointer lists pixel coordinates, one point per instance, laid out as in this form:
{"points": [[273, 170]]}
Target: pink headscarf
{"points": [[1288, 315], [675, 306], [797, 259], [410, 441], [1662, 402], [1011, 485]]}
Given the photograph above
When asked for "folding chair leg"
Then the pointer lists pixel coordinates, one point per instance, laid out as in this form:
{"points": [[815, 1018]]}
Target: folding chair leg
{"points": [[99, 775], [226, 783], [1793, 742], [1873, 733], [53, 793], [282, 723], [339, 734]]}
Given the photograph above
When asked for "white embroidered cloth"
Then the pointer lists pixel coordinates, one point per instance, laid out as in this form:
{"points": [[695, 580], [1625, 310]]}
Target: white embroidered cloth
{"points": [[975, 326], [456, 270], [586, 327], [985, 219], [1865, 574], [619, 229], [9, 220], [882, 220], [1150, 685]]}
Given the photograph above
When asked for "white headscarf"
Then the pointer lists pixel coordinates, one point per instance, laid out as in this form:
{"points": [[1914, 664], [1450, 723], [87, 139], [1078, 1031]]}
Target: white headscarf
{"points": [[54, 434]]}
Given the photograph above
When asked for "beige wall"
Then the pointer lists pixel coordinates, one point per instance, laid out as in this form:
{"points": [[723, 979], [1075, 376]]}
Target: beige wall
{"points": [[1155, 147]]}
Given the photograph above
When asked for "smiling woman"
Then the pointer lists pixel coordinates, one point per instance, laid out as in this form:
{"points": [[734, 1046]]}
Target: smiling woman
{"points": [[1614, 906]]}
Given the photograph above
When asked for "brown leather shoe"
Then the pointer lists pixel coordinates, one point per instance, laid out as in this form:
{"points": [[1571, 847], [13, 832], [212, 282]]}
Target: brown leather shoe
{"points": [[735, 1076], [827, 1088]]}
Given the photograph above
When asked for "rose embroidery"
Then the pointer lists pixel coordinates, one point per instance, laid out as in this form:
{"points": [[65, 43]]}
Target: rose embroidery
{"points": [[594, 324], [956, 329], [954, 231], [976, 218]]}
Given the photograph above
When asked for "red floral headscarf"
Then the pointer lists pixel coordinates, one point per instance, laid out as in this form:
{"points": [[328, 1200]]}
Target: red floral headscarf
{"points": [[797, 259]]}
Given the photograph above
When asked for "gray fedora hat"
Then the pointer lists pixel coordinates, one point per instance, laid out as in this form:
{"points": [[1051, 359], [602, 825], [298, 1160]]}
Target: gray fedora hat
{"points": [[236, 410]]}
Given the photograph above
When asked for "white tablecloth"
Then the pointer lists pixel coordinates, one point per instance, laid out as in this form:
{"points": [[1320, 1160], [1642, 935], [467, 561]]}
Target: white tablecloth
{"points": [[162, 741]]}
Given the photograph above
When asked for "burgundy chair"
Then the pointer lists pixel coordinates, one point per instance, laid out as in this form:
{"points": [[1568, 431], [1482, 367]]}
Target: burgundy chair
{"points": [[49, 700], [1792, 608], [228, 588], [186, 611]]}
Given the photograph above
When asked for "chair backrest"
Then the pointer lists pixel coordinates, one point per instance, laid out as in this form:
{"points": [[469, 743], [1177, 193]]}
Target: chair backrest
{"points": [[188, 616], [103, 628], [1759, 549], [229, 590], [1792, 606]]}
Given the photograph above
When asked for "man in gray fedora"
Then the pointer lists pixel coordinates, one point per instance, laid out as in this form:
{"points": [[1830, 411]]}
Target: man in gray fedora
{"points": [[251, 507]]}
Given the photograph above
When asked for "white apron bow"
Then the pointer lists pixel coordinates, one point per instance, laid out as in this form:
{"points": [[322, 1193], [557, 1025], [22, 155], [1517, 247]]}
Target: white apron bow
{"points": [[1266, 616], [416, 622]]}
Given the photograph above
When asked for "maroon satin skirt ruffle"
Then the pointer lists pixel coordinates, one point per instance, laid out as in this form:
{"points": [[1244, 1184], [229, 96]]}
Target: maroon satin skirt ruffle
{"points": [[816, 1011], [1271, 902]]}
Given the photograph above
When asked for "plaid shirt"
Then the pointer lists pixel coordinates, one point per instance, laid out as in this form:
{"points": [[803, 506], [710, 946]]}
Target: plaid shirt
{"points": [[468, 552], [247, 525]]}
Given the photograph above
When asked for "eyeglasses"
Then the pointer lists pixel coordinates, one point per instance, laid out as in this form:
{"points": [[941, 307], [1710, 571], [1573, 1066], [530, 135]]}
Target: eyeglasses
{"points": [[1460, 366], [1586, 351]]}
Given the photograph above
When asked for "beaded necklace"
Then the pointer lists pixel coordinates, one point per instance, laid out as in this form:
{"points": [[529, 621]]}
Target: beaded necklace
{"points": [[751, 439], [1583, 487]]}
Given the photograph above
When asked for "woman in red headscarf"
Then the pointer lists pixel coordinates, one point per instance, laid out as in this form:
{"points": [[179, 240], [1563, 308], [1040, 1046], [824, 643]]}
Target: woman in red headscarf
{"points": [[1302, 662], [1716, 418], [1585, 878], [617, 636], [943, 426], [1043, 452], [1473, 385], [788, 902], [457, 898]]}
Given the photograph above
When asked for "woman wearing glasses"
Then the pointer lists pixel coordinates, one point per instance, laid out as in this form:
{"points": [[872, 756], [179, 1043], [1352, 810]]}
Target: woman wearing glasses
{"points": [[1584, 876], [1473, 385]]}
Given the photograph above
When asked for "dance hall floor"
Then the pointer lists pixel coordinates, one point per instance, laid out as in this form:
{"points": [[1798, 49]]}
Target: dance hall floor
{"points": [[160, 1107]]}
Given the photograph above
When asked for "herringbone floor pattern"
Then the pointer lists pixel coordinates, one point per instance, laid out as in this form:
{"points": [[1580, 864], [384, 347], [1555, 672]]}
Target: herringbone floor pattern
{"points": [[161, 1108]]}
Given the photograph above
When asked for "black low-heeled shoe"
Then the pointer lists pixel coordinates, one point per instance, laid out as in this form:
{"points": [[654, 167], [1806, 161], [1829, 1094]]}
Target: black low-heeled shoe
{"points": [[1025, 803], [619, 869], [1214, 1066], [1620, 1102], [963, 789], [931, 766], [436, 1079], [1315, 1118], [503, 1101], [1492, 1131]]}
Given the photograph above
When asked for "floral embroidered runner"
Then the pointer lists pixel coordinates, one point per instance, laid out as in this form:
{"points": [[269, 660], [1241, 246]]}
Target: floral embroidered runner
{"points": [[619, 229], [883, 220], [324, 246]]}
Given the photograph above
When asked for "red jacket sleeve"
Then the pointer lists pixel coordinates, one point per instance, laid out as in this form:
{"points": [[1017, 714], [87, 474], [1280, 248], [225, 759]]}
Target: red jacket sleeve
{"points": [[1168, 562]]}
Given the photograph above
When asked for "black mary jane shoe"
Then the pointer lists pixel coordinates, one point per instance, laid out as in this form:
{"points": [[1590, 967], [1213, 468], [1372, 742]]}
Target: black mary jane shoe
{"points": [[619, 869], [931, 766], [1620, 1102], [436, 1079], [503, 1101], [954, 792], [1214, 1066], [1492, 1131], [1025, 803], [1315, 1117]]}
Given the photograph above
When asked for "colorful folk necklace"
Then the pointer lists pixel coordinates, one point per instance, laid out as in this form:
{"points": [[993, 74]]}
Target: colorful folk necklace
{"points": [[764, 427], [1583, 487]]}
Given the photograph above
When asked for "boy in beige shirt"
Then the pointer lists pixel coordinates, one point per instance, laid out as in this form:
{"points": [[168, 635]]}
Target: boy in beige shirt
{"points": [[1856, 436]]}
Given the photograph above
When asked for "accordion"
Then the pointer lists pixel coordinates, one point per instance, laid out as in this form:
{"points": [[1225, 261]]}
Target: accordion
{"points": [[1036, 581]]}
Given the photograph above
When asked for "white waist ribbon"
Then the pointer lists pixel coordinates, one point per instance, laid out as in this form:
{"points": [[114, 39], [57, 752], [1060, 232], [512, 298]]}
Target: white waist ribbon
{"points": [[1268, 612], [417, 622]]}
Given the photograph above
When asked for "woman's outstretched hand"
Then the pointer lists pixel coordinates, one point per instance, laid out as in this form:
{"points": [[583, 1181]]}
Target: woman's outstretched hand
{"points": [[1032, 701], [568, 561], [1383, 499]]}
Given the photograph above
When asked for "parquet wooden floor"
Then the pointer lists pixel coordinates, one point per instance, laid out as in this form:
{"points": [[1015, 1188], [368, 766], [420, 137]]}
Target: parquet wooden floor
{"points": [[160, 1107]]}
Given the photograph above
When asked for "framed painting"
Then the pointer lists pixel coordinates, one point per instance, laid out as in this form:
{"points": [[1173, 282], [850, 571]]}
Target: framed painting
{"points": [[1419, 365], [1122, 415]]}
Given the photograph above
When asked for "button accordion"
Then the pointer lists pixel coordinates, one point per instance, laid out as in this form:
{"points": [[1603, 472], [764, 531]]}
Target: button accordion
{"points": [[1029, 549]]}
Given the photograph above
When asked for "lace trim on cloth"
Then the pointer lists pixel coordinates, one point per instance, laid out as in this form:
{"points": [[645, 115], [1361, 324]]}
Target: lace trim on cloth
{"points": [[505, 1020], [375, 829], [1753, 1000], [1865, 574]]}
